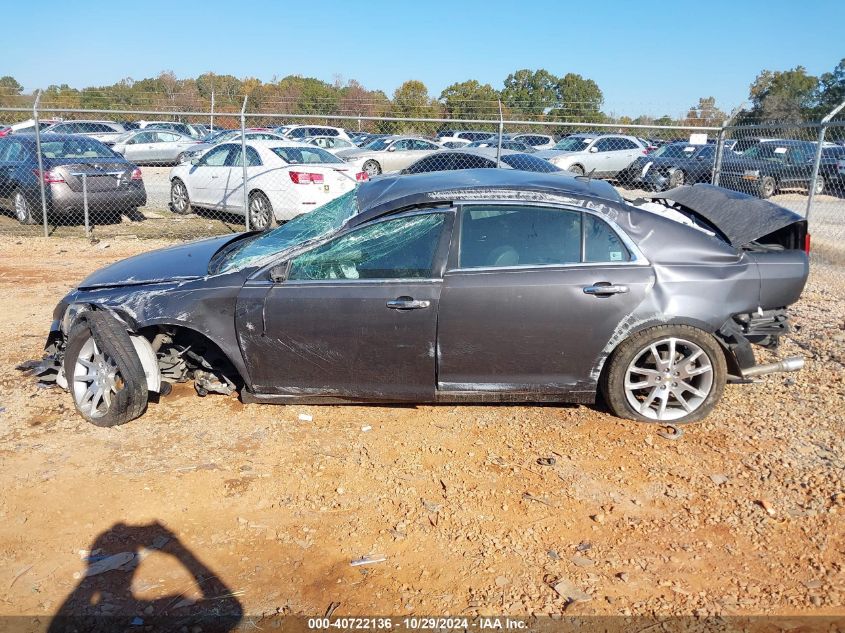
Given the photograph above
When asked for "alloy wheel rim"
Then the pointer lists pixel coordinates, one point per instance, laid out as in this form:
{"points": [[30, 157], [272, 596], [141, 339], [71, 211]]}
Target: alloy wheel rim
{"points": [[180, 197], [371, 168], [669, 379], [96, 380], [258, 215], [20, 207]]}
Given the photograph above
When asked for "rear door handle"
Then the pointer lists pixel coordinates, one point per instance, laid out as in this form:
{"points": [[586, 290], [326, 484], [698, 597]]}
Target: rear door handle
{"points": [[407, 303], [605, 289]]}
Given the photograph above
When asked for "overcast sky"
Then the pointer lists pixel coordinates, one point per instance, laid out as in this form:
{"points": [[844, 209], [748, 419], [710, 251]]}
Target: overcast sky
{"points": [[647, 57]]}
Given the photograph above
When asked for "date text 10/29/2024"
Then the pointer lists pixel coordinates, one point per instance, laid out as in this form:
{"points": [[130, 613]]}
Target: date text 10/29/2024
{"points": [[418, 623]]}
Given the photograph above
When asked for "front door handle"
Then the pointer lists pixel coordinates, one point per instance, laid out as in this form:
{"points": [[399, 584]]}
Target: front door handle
{"points": [[407, 303], [604, 288]]}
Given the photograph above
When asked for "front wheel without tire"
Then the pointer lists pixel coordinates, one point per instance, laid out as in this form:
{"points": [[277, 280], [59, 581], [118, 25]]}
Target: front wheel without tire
{"points": [[666, 374], [677, 178], [104, 373], [576, 169]]}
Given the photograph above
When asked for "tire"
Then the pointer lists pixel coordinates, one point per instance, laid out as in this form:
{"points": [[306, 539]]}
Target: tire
{"points": [[632, 393], [576, 169], [23, 210], [181, 158], [677, 178], [180, 201], [100, 356], [768, 187], [819, 188], [261, 216], [372, 168]]}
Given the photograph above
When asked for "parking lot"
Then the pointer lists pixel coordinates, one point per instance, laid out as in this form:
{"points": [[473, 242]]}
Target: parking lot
{"points": [[742, 514]]}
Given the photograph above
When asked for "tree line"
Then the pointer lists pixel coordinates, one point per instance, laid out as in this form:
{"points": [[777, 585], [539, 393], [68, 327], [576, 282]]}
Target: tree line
{"points": [[532, 95]]}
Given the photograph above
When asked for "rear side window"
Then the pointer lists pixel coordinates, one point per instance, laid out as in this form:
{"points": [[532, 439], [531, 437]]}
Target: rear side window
{"points": [[519, 236], [601, 243], [252, 158], [526, 162], [535, 236]]}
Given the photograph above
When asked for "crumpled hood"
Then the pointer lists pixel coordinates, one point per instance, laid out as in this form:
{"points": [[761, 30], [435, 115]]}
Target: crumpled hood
{"points": [[176, 263]]}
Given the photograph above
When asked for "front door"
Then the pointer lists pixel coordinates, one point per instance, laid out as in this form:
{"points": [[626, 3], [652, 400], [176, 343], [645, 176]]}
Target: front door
{"points": [[209, 177], [531, 299], [356, 317]]}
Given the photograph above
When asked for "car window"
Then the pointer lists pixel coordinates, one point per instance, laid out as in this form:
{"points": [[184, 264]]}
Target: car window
{"points": [[304, 155], [216, 157], [166, 137], [708, 151], [75, 147], [471, 161], [440, 162], [601, 243], [252, 158], [298, 132], [607, 144], [519, 236], [402, 145], [403, 248], [423, 145], [14, 151], [526, 162]]}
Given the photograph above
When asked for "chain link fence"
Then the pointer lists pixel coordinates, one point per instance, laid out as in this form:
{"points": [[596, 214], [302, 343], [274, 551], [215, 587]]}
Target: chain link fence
{"points": [[180, 174]]}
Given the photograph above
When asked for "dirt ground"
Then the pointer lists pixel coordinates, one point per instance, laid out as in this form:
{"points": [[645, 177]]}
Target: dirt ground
{"points": [[229, 506]]}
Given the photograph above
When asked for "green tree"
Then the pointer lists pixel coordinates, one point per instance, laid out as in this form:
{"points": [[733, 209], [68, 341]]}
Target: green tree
{"points": [[10, 92], [787, 96], [579, 99], [470, 100], [705, 114], [530, 92], [832, 90]]}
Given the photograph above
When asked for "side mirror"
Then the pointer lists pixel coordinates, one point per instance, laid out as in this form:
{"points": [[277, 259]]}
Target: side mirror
{"points": [[130, 141], [195, 161], [279, 272], [392, 148], [593, 149]]}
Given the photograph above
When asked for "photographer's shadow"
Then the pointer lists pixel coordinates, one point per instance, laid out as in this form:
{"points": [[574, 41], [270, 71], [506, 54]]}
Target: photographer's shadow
{"points": [[105, 601]]}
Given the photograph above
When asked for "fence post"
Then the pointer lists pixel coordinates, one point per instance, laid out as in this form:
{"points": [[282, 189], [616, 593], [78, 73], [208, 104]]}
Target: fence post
{"points": [[212, 111], [720, 143], [40, 161], [818, 159], [243, 161], [501, 131]]}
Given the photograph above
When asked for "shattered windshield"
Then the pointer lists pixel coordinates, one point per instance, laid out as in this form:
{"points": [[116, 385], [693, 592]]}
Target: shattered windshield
{"points": [[308, 226]]}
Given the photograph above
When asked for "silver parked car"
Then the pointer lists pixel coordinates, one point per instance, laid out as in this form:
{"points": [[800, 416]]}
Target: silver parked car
{"points": [[389, 154], [197, 149], [103, 131], [332, 144], [603, 154], [153, 146]]}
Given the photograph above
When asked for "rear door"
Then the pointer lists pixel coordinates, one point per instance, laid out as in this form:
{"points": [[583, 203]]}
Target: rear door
{"points": [[531, 297], [356, 316], [140, 147], [234, 195]]}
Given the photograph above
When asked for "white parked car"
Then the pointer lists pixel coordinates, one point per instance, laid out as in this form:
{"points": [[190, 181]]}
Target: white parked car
{"points": [[284, 180], [603, 154], [448, 136], [152, 146], [331, 144], [303, 132], [103, 131], [392, 153]]}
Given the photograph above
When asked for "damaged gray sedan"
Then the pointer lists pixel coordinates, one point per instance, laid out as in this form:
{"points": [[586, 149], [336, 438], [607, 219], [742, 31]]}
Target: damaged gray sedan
{"points": [[463, 286]]}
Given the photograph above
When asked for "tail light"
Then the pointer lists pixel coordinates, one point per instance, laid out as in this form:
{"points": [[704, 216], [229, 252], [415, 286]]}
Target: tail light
{"points": [[49, 177], [305, 178], [8, 130], [362, 176], [136, 174], [807, 243]]}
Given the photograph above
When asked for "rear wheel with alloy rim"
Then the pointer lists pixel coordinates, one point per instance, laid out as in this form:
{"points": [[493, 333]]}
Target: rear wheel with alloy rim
{"points": [[672, 374], [23, 210], [261, 215], [677, 178], [372, 168]]}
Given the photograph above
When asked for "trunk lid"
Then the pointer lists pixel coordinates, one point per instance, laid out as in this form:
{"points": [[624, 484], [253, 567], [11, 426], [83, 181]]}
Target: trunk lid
{"points": [[739, 217], [102, 175]]}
